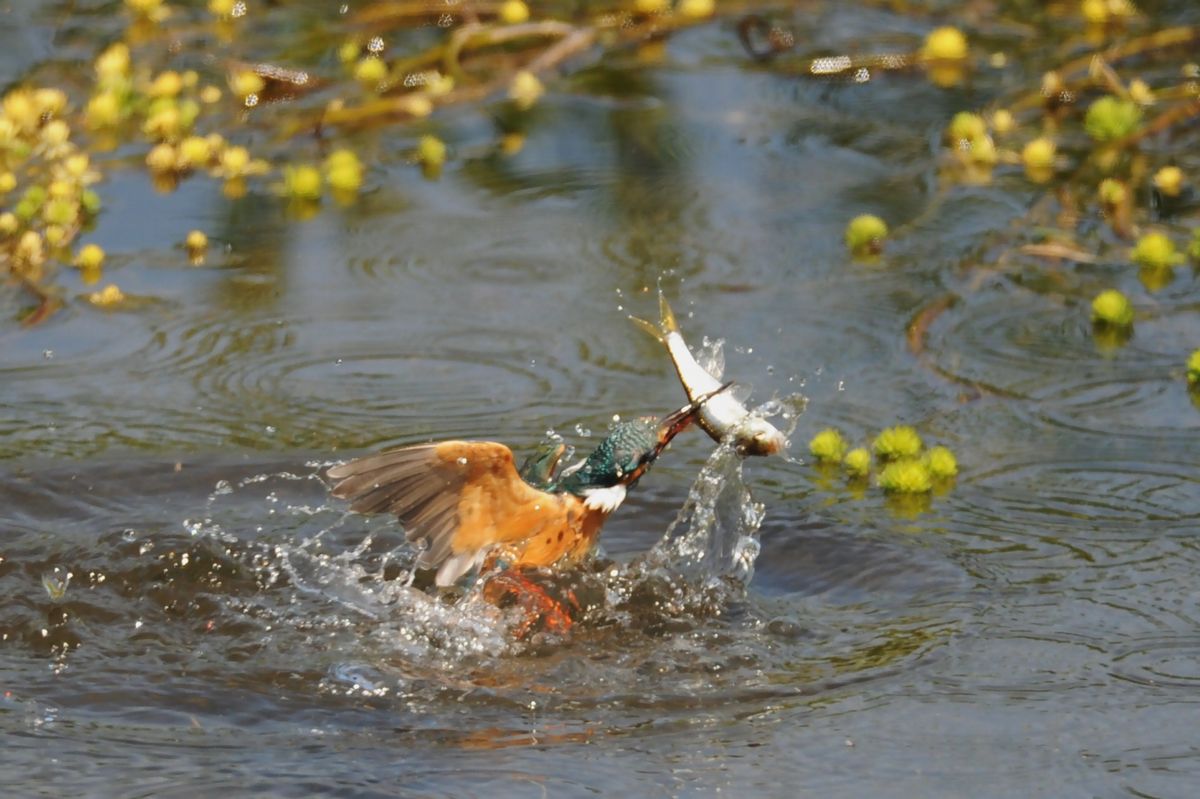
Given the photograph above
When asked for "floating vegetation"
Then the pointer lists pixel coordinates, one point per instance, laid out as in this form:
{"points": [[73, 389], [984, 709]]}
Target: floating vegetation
{"points": [[828, 446], [1112, 308], [905, 467], [897, 443], [865, 235]]}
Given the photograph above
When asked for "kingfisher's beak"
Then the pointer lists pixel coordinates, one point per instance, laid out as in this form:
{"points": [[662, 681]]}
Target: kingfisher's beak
{"points": [[675, 423]]}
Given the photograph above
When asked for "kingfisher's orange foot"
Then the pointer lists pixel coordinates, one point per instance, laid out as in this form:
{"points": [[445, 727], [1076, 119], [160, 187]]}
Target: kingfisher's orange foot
{"points": [[541, 611]]}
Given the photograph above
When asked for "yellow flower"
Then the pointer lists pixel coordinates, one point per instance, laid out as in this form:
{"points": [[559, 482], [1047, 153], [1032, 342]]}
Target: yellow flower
{"points": [[1039, 154], [163, 123], [857, 462], [697, 9], [21, 109], [302, 182], [514, 12], [112, 66], [370, 72], [1110, 118], [210, 94], [90, 257], [1155, 251], [828, 445], [894, 443], [1095, 11], [651, 6], [1111, 307], [50, 101], [246, 82], [9, 224], [431, 151], [107, 297], [906, 476], [221, 8], [945, 44], [194, 151], [1169, 180], [344, 171], [161, 158], [525, 90], [167, 84], [196, 245], [983, 151], [942, 463], [968, 127], [103, 111], [1112, 192], [1140, 92], [1193, 369], [1003, 121], [30, 250], [62, 212], [8, 182], [866, 234], [418, 105], [55, 236]]}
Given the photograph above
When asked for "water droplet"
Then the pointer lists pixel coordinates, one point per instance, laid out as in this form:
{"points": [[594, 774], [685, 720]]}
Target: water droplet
{"points": [[462, 461], [270, 429], [48, 354], [375, 45]]}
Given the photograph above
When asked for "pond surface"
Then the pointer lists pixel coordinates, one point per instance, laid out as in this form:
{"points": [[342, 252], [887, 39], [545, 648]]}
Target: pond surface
{"points": [[229, 630]]}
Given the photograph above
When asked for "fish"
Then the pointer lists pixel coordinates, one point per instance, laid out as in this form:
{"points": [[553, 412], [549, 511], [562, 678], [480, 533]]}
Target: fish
{"points": [[722, 416]]}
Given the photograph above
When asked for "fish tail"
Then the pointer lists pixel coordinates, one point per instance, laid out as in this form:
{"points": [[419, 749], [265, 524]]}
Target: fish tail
{"points": [[667, 323], [649, 327]]}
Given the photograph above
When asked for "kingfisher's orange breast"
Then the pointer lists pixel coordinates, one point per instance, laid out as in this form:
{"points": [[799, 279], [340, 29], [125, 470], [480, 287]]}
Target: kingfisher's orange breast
{"points": [[532, 527]]}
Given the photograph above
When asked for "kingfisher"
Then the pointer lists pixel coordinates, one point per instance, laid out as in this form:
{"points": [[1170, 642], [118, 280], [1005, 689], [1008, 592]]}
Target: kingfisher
{"points": [[467, 505]]}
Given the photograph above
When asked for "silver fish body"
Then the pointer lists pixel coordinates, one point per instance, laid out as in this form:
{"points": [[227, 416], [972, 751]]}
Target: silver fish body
{"points": [[722, 416]]}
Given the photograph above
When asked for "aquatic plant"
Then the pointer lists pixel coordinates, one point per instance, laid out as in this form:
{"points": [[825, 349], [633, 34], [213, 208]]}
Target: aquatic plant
{"points": [[865, 234], [1111, 118], [1155, 250], [895, 443], [857, 462], [827, 446], [941, 462], [906, 476], [1111, 307]]}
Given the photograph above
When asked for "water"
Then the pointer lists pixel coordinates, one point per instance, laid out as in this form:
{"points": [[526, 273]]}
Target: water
{"points": [[227, 629]]}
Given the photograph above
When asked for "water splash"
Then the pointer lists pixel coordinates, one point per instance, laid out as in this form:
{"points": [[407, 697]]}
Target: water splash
{"points": [[714, 537]]}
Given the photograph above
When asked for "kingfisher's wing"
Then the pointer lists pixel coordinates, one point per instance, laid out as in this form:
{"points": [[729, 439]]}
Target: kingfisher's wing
{"points": [[459, 496]]}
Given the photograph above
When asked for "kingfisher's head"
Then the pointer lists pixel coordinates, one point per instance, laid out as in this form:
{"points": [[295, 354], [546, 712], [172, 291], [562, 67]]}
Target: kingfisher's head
{"points": [[625, 455]]}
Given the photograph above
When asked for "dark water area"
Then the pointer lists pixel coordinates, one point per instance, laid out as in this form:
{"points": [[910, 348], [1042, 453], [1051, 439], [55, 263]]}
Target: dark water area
{"points": [[228, 629]]}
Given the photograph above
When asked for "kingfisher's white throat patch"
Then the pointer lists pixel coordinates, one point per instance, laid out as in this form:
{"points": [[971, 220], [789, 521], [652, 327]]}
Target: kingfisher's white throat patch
{"points": [[604, 499]]}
